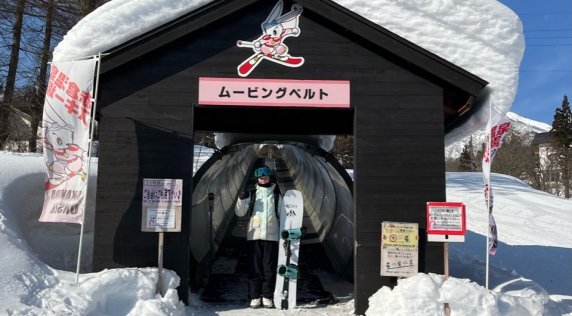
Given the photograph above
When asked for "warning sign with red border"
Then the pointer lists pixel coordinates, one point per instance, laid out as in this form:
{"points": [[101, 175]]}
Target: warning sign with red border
{"points": [[446, 221]]}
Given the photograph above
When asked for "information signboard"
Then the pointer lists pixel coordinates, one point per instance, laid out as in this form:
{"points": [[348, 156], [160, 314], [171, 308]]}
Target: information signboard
{"points": [[162, 203], [446, 221], [399, 249]]}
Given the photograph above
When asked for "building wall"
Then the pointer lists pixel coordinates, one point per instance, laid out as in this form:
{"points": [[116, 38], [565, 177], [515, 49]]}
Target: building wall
{"points": [[146, 126], [399, 167]]}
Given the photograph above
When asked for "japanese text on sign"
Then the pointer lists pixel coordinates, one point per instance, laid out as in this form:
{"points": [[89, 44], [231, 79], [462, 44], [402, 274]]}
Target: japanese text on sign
{"points": [[399, 249], [76, 101], [274, 92], [446, 218], [162, 205], [280, 93], [162, 192], [163, 218]]}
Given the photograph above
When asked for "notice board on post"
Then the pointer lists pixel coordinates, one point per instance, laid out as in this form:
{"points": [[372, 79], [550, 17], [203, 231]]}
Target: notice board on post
{"points": [[399, 249], [446, 221], [162, 205]]}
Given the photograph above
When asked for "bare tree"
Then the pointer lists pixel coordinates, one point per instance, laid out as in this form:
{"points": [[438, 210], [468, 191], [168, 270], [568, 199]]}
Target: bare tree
{"points": [[516, 157], [547, 176], [11, 76], [41, 83], [87, 6], [36, 26]]}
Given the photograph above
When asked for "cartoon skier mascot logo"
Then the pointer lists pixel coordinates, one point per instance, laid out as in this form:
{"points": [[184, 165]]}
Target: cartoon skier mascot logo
{"points": [[270, 45], [64, 158]]}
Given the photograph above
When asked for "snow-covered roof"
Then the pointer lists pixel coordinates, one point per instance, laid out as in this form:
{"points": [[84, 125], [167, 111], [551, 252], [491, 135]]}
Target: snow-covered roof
{"points": [[481, 36]]}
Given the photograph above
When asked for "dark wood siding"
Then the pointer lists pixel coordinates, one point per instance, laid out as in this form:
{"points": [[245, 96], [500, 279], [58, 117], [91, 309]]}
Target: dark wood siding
{"points": [[147, 122], [398, 168]]}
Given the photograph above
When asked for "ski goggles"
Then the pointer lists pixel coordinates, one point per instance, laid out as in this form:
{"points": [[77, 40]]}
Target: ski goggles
{"points": [[261, 172]]}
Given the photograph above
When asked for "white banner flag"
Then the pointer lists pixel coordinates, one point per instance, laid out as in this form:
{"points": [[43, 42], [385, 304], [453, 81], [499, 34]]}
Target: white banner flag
{"points": [[493, 240], [495, 135], [66, 123]]}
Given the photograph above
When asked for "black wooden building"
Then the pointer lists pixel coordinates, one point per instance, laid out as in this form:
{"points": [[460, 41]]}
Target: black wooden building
{"points": [[403, 101]]}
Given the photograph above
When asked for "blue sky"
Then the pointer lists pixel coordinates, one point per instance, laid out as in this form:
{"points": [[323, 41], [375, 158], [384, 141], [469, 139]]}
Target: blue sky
{"points": [[546, 68]]}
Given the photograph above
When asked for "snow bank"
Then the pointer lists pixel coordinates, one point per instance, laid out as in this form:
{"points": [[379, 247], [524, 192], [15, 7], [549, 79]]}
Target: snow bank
{"points": [[29, 286], [426, 294]]}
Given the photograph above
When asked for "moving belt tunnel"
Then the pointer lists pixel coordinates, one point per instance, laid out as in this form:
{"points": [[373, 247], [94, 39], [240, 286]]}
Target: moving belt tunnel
{"points": [[302, 165]]}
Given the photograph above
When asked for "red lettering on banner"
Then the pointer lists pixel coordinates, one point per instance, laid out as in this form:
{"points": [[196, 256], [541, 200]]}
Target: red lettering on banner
{"points": [[73, 90], [51, 86], [498, 132], [72, 106], [85, 101], [486, 156], [61, 80], [76, 101], [496, 136]]}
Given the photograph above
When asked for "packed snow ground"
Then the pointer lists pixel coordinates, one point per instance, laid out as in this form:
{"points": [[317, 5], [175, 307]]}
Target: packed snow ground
{"points": [[530, 275]]}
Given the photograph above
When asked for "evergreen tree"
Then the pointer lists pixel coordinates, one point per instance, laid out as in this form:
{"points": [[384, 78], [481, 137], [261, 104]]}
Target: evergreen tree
{"points": [[561, 134], [467, 159]]}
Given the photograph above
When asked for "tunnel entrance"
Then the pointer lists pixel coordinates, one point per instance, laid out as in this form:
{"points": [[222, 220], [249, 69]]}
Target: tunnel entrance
{"points": [[280, 139], [227, 279]]}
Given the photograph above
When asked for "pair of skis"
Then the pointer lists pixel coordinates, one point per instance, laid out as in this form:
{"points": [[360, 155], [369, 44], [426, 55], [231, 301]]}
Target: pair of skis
{"points": [[247, 66], [291, 216]]}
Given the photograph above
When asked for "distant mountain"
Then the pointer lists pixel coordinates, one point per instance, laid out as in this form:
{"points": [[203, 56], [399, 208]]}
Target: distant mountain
{"points": [[520, 124]]}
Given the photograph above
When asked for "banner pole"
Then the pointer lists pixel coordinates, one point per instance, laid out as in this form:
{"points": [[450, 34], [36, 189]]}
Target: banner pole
{"points": [[90, 149], [489, 136]]}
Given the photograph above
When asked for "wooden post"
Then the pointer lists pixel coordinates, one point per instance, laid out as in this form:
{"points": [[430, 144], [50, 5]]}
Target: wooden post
{"points": [[160, 278], [446, 257]]}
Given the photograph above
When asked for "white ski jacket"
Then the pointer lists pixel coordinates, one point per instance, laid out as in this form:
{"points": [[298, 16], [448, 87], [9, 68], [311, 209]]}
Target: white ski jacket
{"points": [[263, 223]]}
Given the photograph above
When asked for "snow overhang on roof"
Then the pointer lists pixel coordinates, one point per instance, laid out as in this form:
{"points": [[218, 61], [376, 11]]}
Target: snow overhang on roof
{"points": [[481, 36]]}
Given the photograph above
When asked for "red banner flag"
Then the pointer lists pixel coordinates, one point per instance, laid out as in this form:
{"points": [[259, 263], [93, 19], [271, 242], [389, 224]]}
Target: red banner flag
{"points": [[66, 123], [495, 135]]}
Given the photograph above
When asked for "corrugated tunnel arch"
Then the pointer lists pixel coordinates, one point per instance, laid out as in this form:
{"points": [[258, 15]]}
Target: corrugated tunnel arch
{"points": [[326, 186]]}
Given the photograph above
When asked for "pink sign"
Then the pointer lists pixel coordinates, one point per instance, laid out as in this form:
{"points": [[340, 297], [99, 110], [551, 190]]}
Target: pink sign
{"points": [[274, 92]]}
